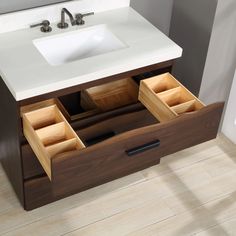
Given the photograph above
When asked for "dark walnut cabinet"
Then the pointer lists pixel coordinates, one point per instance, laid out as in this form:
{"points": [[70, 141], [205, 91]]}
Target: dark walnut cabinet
{"points": [[100, 144]]}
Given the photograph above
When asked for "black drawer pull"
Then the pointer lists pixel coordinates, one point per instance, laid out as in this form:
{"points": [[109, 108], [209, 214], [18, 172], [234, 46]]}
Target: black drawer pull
{"points": [[143, 148]]}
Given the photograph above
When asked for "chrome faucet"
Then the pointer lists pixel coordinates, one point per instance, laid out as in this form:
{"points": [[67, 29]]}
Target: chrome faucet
{"points": [[63, 24]]}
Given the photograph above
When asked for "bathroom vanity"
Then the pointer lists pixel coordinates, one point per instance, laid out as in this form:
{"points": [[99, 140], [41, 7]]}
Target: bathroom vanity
{"points": [[74, 119]]}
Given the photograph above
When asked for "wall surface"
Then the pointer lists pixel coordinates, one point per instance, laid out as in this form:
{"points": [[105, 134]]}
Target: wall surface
{"points": [[13, 5], [221, 59], [191, 28], [229, 123], [25, 18], [158, 12]]}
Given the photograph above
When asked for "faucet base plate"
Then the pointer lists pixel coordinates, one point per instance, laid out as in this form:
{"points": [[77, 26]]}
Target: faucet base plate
{"points": [[62, 25]]}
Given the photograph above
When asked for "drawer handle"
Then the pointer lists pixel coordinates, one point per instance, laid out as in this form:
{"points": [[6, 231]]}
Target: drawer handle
{"points": [[143, 148]]}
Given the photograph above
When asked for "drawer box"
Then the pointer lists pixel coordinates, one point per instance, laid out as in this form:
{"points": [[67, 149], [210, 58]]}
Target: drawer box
{"points": [[113, 95], [94, 134], [166, 98], [49, 134]]}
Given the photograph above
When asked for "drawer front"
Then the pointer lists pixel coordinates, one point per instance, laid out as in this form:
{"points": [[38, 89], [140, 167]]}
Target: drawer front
{"points": [[123, 154], [110, 157], [31, 165], [91, 134]]}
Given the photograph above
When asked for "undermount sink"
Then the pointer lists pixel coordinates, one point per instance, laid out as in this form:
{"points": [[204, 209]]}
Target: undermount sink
{"points": [[77, 45]]}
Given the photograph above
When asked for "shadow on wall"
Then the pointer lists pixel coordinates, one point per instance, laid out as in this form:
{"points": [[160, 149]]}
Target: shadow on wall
{"points": [[221, 60], [229, 123], [191, 28]]}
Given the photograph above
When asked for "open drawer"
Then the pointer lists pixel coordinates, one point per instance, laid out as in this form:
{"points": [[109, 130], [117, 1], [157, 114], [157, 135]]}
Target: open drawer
{"points": [[166, 98], [49, 134], [113, 147]]}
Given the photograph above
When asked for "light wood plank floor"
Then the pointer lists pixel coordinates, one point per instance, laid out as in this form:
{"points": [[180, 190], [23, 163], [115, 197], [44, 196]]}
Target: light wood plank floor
{"points": [[192, 192]]}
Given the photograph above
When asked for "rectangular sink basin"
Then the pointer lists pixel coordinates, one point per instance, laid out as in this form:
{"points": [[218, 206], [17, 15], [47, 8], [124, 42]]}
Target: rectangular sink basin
{"points": [[77, 45]]}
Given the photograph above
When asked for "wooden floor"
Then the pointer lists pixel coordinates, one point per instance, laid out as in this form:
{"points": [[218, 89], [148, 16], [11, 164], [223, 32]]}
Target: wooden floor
{"points": [[192, 192]]}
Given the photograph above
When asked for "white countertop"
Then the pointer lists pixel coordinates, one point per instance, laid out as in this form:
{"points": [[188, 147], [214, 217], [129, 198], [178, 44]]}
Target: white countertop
{"points": [[27, 74]]}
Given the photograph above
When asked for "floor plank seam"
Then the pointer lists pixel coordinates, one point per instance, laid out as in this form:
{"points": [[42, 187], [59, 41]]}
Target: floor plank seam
{"points": [[67, 209], [175, 169], [182, 213], [105, 218], [221, 223]]}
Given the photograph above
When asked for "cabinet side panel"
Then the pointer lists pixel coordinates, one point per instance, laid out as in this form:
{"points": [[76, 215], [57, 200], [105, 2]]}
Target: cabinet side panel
{"points": [[10, 154]]}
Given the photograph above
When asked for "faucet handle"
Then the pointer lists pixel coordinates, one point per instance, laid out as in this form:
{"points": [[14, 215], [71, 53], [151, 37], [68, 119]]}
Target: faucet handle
{"points": [[79, 18], [45, 26], [88, 14]]}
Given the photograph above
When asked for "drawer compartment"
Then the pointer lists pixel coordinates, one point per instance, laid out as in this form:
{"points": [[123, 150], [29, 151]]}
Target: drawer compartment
{"points": [[49, 134], [166, 98], [76, 106], [135, 148], [92, 134], [113, 95]]}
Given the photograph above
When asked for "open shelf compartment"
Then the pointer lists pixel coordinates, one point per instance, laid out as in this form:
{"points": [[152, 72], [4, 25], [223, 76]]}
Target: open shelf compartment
{"points": [[113, 95], [76, 106], [166, 98], [49, 134]]}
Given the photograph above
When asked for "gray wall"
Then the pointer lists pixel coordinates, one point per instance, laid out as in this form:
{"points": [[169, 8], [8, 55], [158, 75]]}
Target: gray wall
{"points": [[16, 5], [191, 28], [158, 12], [221, 60]]}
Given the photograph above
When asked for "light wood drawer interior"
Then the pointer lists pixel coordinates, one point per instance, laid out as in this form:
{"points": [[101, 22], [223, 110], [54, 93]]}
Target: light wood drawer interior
{"points": [[49, 134], [114, 94], [166, 98]]}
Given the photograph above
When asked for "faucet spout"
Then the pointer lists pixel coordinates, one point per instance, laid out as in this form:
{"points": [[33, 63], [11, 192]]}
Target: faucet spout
{"points": [[63, 24]]}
